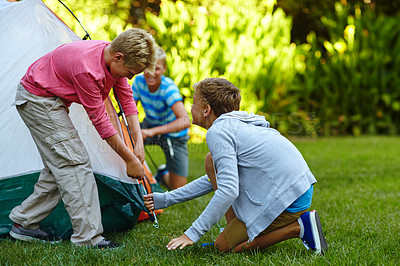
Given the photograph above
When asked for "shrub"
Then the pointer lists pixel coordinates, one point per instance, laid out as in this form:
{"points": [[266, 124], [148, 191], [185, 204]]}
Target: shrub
{"points": [[352, 80], [246, 42]]}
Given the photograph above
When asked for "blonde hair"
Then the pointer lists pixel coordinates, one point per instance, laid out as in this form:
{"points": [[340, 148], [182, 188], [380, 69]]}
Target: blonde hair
{"points": [[161, 55], [138, 48], [220, 94]]}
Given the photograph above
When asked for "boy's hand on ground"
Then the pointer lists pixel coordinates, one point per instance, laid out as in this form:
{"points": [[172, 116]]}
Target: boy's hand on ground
{"points": [[180, 242], [135, 169], [148, 201]]}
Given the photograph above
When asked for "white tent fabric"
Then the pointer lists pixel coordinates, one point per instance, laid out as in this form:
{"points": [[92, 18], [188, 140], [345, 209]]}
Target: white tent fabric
{"points": [[28, 30]]}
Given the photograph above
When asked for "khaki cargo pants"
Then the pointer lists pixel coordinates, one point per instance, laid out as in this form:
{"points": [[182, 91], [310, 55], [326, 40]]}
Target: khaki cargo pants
{"points": [[67, 173]]}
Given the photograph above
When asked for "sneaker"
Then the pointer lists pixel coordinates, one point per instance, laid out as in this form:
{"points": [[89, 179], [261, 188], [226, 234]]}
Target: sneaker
{"points": [[161, 171], [106, 244], [311, 232], [21, 233]]}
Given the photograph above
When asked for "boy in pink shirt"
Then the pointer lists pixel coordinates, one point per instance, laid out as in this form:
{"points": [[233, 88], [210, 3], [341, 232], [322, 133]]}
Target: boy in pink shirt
{"points": [[82, 72]]}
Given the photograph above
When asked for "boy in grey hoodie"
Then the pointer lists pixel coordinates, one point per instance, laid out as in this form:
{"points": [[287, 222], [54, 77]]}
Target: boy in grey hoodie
{"points": [[261, 181]]}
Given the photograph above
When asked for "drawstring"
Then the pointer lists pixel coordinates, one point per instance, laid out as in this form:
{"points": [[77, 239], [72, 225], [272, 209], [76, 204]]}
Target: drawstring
{"points": [[171, 150]]}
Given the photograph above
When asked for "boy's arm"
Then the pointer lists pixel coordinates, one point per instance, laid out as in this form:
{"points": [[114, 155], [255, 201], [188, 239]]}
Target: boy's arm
{"points": [[124, 93], [91, 98], [221, 144], [134, 167], [181, 122], [136, 133], [194, 189]]}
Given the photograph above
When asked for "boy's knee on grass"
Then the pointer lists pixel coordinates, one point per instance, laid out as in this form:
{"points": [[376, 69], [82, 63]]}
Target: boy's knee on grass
{"points": [[222, 243]]}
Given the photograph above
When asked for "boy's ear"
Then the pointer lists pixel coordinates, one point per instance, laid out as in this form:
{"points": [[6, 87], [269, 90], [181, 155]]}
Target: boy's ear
{"points": [[207, 111], [118, 57]]}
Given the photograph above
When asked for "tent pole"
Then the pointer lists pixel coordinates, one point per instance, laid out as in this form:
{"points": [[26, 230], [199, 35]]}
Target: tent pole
{"points": [[152, 214], [87, 36]]}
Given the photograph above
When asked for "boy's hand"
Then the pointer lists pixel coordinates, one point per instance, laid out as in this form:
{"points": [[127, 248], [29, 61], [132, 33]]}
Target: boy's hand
{"points": [[135, 169], [147, 133], [180, 242], [139, 151], [148, 201]]}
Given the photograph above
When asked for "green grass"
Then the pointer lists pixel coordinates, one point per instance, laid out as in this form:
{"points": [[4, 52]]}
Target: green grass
{"points": [[357, 197]]}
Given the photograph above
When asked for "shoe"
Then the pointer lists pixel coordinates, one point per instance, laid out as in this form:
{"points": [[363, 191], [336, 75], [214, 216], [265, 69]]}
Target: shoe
{"points": [[311, 232], [161, 171], [106, 244], [21, 233]]}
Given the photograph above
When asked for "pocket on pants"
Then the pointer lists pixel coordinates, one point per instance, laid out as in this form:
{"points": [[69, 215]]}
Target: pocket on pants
{"points": [[67, 147]]}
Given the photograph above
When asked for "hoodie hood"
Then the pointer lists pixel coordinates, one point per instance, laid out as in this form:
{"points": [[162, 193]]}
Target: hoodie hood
{"points": [[245, 117]]}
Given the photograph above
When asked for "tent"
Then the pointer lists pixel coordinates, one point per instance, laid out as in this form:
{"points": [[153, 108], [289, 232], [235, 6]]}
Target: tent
{"points": [[28, 30]]}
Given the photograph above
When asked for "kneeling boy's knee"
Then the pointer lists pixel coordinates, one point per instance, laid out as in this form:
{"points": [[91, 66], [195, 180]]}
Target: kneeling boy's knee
{"points": [[222, 243], [209, 162], [209, 165]]}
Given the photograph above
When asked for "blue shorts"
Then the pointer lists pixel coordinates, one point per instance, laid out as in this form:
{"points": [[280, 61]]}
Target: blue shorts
{"points": [[175, 151]]}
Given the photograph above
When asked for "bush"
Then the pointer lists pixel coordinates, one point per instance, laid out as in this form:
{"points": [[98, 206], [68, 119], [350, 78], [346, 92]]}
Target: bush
{"points": [[352, 82], [346, 83], [245, 42]]}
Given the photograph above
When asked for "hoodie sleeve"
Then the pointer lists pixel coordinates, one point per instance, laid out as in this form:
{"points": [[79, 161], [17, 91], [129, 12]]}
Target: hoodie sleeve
{"points": [[222, 148], [194, 189]]}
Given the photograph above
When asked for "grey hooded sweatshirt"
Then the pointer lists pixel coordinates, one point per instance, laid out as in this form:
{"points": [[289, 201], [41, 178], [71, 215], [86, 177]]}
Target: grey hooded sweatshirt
{"points": [[259, 173]]}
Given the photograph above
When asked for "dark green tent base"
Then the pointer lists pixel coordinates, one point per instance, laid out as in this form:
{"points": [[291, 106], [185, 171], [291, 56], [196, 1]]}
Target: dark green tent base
{"points": [[121, 204]]}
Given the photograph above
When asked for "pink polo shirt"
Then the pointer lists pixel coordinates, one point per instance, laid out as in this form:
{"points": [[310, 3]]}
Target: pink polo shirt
{"points": [[76, 72]]}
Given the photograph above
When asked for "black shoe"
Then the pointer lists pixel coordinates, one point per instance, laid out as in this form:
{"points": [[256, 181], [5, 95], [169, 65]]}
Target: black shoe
{"points": [[21, 233], [106, 244]]}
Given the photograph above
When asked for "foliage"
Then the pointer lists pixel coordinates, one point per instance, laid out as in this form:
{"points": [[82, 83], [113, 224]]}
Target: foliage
{"points": [[342, 80], [307, 14], [104, 20], [356, 200], [245, 42], [352, 80]]}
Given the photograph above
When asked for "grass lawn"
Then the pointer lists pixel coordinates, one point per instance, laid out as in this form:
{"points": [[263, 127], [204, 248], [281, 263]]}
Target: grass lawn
{"points": [[357, 197]]}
